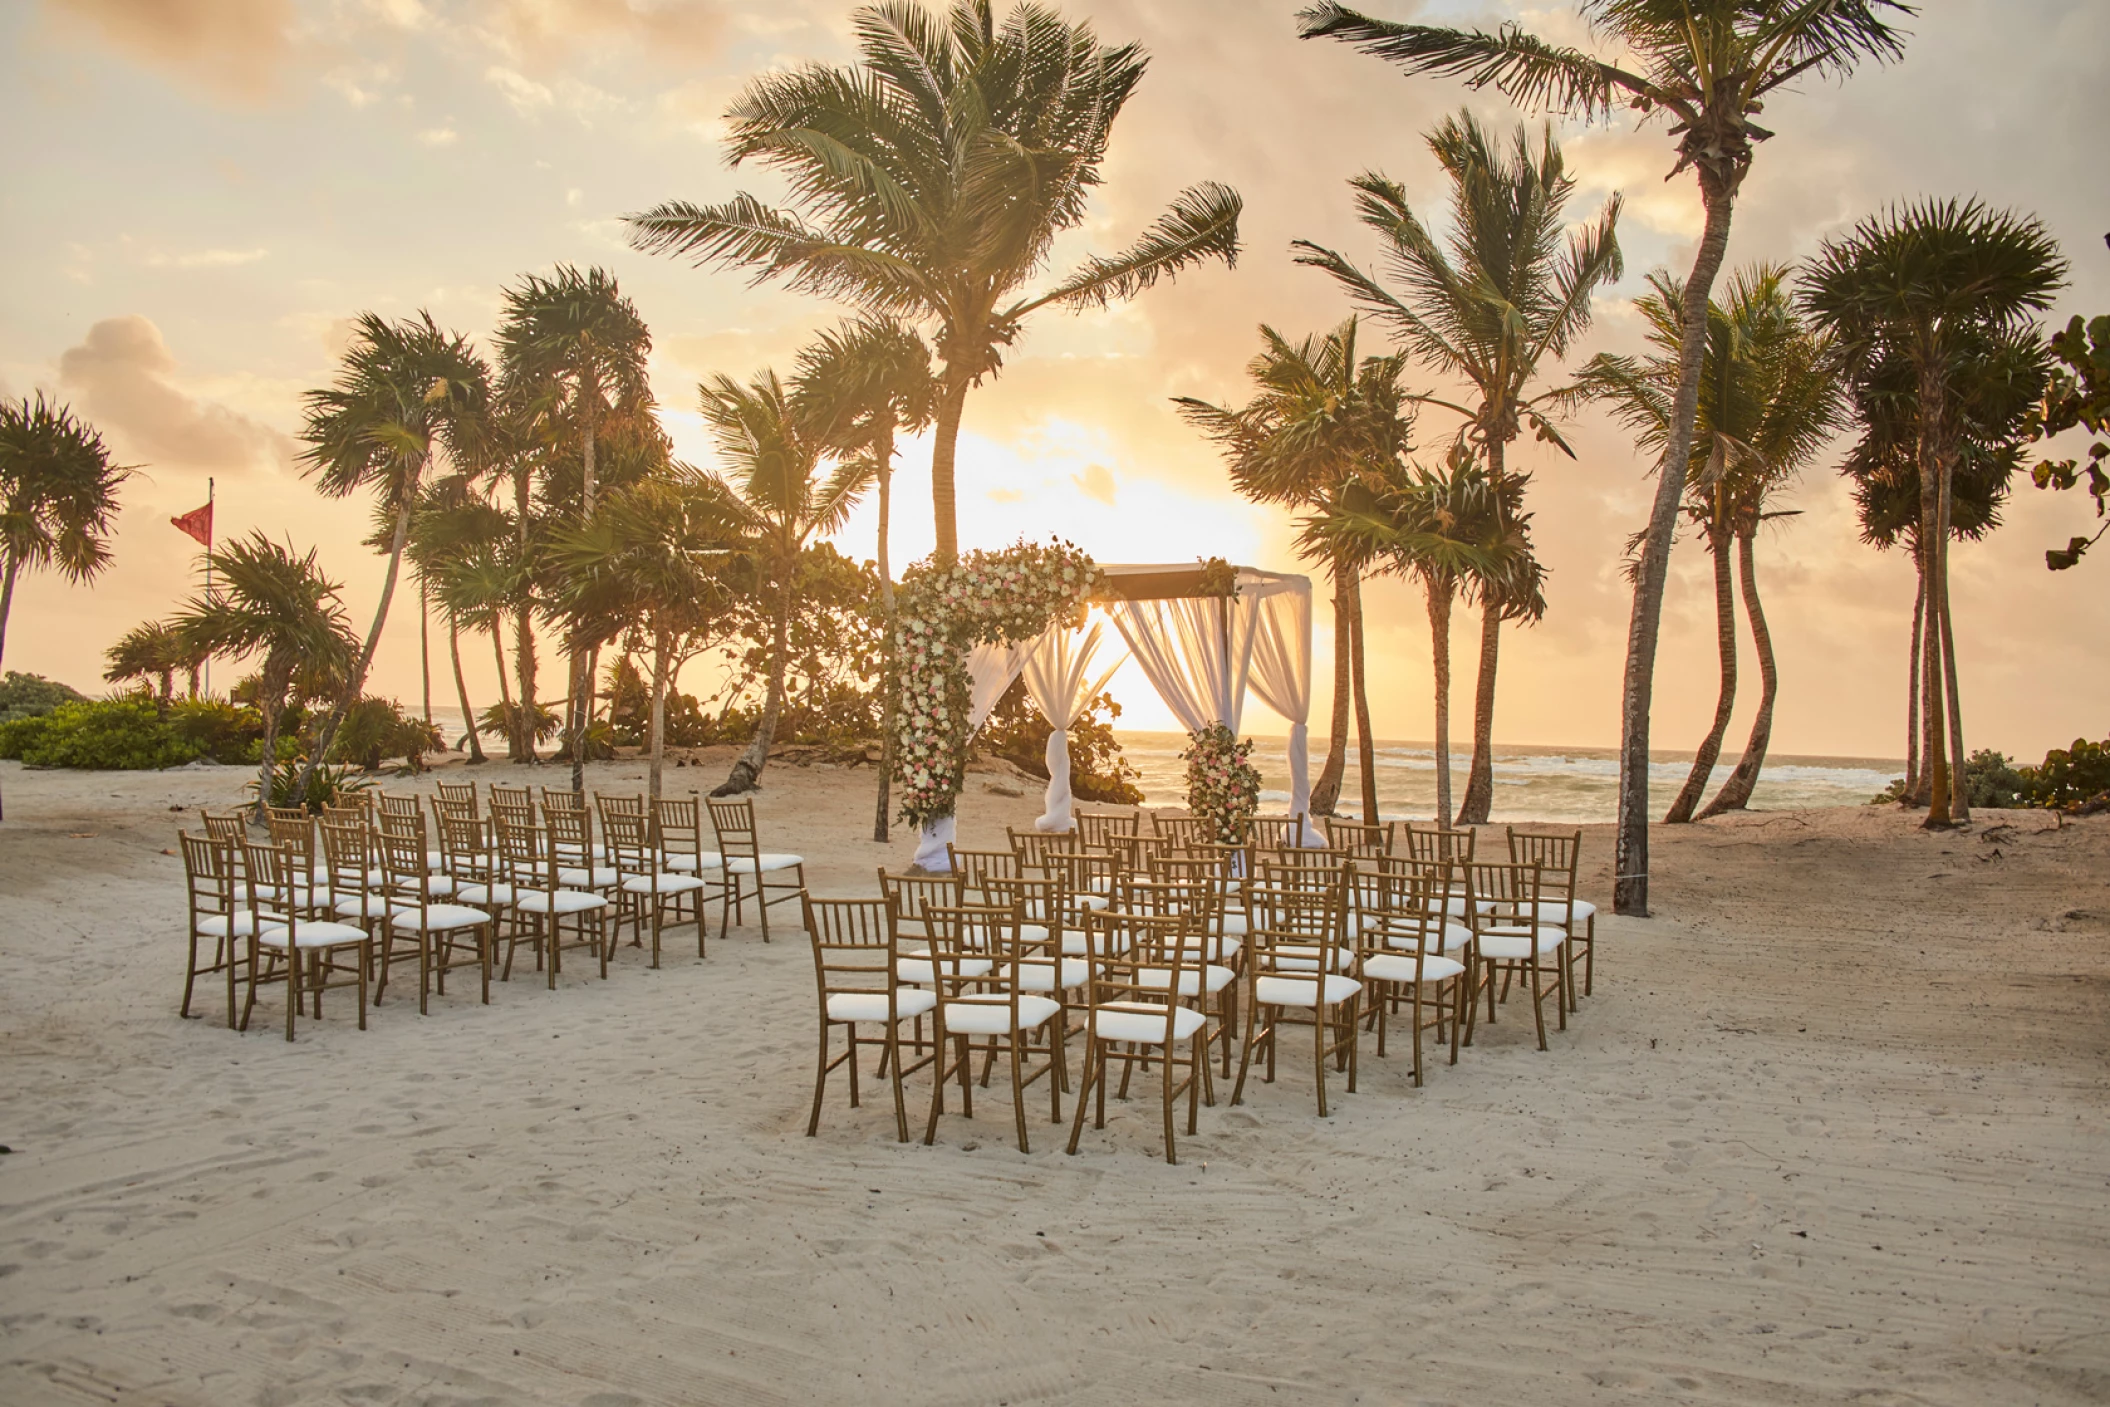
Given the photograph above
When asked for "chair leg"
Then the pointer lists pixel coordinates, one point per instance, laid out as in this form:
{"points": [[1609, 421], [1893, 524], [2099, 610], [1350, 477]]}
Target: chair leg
{"points": [[1018, 1091], [820, 1084], [892, 1060], [1084, 1092], [1538, 1004], [1318, 1034], [1165, 1100], [1245, 1059], [292, 988]]}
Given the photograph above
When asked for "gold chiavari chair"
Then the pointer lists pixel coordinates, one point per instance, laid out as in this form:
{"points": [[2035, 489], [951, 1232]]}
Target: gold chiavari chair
{"points": [[975, 959], [1512, 940], [283, 940], [1402, 934], [582, 862], [644, 890], [1211, 985], [977, 867], [1098, 830], [1300, 960], [1139, 962], [1185, 832], [677, 829], [512, 798], [1277, 832], [218, 905], [1133, 854], [1034, 848], [1364, 842], [473, 870], [854, 964], [293, 828], [419, 910], [1088, 880], [530, 866], [456, 794], [1558, 855], [745, 861]]}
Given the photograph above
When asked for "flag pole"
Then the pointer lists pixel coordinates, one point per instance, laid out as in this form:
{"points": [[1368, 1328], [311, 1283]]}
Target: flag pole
{"points": [[210, 494]]}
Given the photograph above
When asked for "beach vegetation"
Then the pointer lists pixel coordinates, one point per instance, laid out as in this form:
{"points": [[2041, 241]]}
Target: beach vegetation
{"points": [[58, 497], [2078, 395], [1018, 732], [32, 695]]}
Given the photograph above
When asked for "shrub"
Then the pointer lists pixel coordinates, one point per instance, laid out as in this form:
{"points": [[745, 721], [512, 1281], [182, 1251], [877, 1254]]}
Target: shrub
{"points": [[2070, 776], [123, 734], [219, 730], [376, 729], [327, 786], [33, 696], [1990, 780]]}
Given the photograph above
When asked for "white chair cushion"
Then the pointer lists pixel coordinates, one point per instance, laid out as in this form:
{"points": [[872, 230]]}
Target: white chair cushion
{"points": [[599, 877], [918, 970], [1302, 991], [1144, 1022], [991, 1016], [439, 918], [1210, 979], [564, 901], [1235, 923], [1456, 907], [314, 935], [1088, 901], [871, 1006], [242, 924], [689, 864], [1576, 912], [1304, 958], [1398, 967], [1454, 937], [1040, 976], [483, 895], [663, 884], [1515, 943], [735, 864]]}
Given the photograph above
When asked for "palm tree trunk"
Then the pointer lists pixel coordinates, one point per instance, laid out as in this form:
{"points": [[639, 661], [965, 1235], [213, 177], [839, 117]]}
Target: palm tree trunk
{"points": [[1630, 851], [356, 685], [1725, 701], [1440, 648], [662, 664], [520, 727], [425, 645], [883, 455], [461, 690], [1366, 746], [580, 712], [944, 449], [268, 754], [1326, 792], [1932, 533], [1480, 778], [1959, 777], [505, 692], [748, 769], [7, 598], [1737, 790], [1912, 679]]}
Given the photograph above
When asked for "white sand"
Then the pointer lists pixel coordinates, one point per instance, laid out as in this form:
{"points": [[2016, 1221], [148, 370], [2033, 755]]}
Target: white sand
{"points": [[1833, 1127]]}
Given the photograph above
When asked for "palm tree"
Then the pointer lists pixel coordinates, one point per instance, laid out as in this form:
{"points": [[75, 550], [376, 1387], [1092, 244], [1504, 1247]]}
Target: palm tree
{"points": [[268, 600], [1920, 283], [1769, 398], [869, 381], [1450, 530], [455, 539], [1506, 294], [1709, 66], [771, 493], [153, 651], [573, 350], [407, 392], [929, 182], [1322, 421], [58, 496]]}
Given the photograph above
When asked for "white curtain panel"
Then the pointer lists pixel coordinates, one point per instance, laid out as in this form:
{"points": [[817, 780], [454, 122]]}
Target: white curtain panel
{"points": [[1196, 651], [990, 670], [1282, 679], [1063, 674]]}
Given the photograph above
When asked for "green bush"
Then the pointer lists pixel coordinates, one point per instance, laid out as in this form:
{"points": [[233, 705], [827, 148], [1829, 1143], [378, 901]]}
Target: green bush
{"points": [[377, 729], [2070, 776], [1017, 732], [1990, 780], [123, 734], [33, 696], [327, 786], [220, 730]]}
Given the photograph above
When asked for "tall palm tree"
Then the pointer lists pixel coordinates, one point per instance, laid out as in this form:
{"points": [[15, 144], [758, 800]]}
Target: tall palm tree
{"points": [[1450, 530], [1709, 67], [153, 651], [1322, 420], [572, 350], [1489, 305], [869, 381], [268, 600], [1769, 398], [929, 182], [455, 540], [1920, 282], [771, 492], [407, 394], [58, 496]]}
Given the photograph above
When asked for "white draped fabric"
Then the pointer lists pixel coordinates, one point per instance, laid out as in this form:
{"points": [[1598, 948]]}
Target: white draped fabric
{"points": [[990, 670], [1060, 676], [1282, 678], [1196, 651]]}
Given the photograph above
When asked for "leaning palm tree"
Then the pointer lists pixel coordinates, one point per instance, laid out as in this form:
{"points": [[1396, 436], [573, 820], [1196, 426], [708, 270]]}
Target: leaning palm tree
{"points": [[58, 496], [1490, 305], [869, 381], [771, 492], [270, 601], [1709, 66], [1322, 421], [453, 535], [407, 394], [1921, 283], [929, 182], [151, 652], [1769, 398]]}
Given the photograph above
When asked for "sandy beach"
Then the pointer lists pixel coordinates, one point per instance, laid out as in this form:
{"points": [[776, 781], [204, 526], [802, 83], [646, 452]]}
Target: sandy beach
{"points": [[1831, 1128]]}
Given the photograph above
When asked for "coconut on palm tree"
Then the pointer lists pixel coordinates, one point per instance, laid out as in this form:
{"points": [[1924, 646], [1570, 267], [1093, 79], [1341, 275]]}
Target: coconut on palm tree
{"points": [[1322, 421], [58, 496], [1709, 67], [407, 395], [1490, 305], [929, 182], [271, 602], [1769, 399], [1924, 284]]}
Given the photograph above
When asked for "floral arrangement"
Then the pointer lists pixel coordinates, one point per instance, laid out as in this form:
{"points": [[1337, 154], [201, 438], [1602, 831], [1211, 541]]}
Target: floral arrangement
{"points": [[1223, 787], [1001, 598]]}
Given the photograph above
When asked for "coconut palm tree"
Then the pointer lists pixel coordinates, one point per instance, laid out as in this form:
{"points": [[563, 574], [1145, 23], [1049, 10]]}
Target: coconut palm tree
{"points": [[1489, 305], [455, 539], [1709, 67], [869, 381], [1920, 282], [572, 351], [1322, 421], [1769, 399], [407, 395], [929, 182], [771, 492], [1450, 530], [267, 600], [58, 496], [152, 651]]}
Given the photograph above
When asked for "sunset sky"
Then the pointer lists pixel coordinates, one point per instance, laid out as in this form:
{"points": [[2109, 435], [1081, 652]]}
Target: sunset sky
{"points": [[202, 193]]}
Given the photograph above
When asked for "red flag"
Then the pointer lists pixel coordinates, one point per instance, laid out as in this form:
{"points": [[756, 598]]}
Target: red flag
{"points": [[198, 523]]}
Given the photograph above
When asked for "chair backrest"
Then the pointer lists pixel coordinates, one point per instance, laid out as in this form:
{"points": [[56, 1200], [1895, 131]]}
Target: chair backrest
{"points": [[1502, 895], [853, 947], [456, 805], [1136, 851], [1399, 904], [456, 794], [1556, 853], [561, 799], [1139, 960], [465, 846], [1042, 901], [1277, 832], [293, 827], [1299, 857], [389, 804], [274, 875], [1297, 928], [515, 797], [1366, 841], [570, 832], [628, 837], [1438, 842], [1215, 871], [977, 867], [1034, 847], [677, 822], [348, 847], [1096, 829], [1185, 832], [524, 853], [511, 809], [406, 874], [619, 805], [734, 823], [354, 813], [1084, 872], [910, 898], [227, 827], [208, 876], [974, 951]]}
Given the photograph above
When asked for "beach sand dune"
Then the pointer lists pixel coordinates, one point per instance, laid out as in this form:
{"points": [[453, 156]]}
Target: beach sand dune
{"points": [[1832, 1127]]}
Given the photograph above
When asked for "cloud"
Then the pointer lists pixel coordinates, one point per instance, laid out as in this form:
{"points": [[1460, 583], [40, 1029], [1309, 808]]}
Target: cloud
{"points": [[205, 258], [122, 374], [540, 32], [524, 93], [232, 49], [439, 137], [1096, 482]]}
